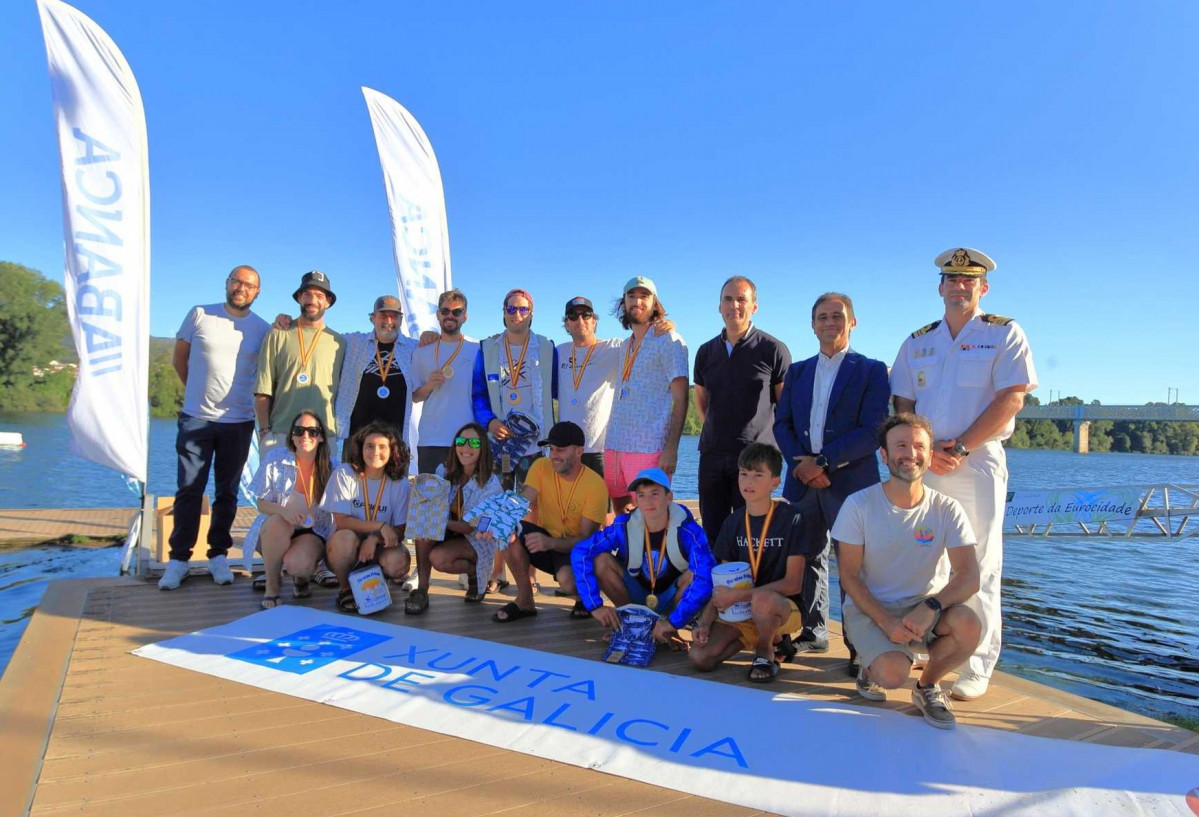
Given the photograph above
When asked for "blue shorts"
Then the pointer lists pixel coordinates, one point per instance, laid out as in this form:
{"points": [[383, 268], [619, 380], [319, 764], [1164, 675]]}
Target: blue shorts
{"points": [[637, 594]]}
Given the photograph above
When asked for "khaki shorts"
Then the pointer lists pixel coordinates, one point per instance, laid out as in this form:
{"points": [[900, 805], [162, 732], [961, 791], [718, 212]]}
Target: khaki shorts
{"points": [[748, 630], [869, 639]]}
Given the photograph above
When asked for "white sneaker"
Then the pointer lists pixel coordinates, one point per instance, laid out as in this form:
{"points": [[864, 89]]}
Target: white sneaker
{"points": [[969, 686], [175, 573], [463, 581], [218, 566]]}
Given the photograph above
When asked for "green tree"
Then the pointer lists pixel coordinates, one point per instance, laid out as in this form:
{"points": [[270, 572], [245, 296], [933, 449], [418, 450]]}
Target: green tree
{"points": [[33, 324]]}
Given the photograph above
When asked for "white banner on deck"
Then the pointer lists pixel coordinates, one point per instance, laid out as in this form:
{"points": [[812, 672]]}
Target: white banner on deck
{"points": [[106, 212], [416, 201], [1086, 505], [779, 753]]}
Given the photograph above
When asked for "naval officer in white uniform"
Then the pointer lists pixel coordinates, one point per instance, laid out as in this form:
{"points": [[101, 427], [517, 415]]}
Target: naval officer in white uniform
{"points": [[968, 374]]}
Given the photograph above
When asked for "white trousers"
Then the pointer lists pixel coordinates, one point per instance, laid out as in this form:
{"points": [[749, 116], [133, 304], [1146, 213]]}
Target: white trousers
{"points": [[980, 484]]}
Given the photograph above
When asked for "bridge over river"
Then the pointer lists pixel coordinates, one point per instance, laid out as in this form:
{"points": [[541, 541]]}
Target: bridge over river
{"points": [[1082, 416]]}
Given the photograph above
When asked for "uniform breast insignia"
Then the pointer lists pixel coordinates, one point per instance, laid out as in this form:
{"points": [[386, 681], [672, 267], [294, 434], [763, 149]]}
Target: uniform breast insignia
{"points": [[998, 320], [924, 330]]}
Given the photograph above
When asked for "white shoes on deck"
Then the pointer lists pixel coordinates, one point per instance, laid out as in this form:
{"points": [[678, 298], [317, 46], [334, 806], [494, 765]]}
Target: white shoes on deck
{"points": [[177, 572], [174, 575], [969, 686]]}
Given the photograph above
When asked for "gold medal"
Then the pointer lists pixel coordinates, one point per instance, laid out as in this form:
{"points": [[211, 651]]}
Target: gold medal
{"points": [[447, 370], [651, 601]]}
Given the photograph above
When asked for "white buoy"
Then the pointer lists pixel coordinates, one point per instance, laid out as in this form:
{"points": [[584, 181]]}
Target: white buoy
{"points": [[11, 438]]}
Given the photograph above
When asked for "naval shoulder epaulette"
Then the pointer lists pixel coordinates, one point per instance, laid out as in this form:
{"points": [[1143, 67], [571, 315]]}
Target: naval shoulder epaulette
{"points": [[924, 330], [998, 320]]}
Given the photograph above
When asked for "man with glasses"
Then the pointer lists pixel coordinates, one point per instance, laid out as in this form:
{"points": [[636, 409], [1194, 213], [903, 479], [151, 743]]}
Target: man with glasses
{"points": [[216, 357], [375, 375], [443, 371], [650, 403], [968, 373], [513, 389], [588, 368], [300, 365]]}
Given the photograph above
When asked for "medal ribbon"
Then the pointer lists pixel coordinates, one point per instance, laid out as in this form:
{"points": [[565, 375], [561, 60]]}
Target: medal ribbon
{"points": [[514, 368], [370, 510], [305, 354], [563, 508], [649, 557], [307, 489], [443, 366], [630, 357], [576, 373], [383, 370], [755, 556]]}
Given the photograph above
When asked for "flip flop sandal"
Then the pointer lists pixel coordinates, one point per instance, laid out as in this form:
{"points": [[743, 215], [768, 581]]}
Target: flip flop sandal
{"points": [[473, 596], [300, 588], [761, 665], [259, 584], [324, 576], [496, 585], [345, 602], [512, 612], [579, 611], [536, 589], [560, 593], [416, 603], [270, 603]]}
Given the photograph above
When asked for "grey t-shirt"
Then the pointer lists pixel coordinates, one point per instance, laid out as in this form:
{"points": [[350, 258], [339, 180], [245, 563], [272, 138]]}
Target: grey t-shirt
{"points": [[222, 364]]}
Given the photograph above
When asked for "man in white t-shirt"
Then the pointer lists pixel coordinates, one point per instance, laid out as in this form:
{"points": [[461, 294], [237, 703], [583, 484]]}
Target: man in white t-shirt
{"points": [[216, 357], [588, 369], [443, 372], [908, 565], [650, 403]]}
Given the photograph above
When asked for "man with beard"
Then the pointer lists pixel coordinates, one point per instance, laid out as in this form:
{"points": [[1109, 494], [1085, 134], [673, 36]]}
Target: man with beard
{"points": [[568, 503], [299, 367], [216, 357], [443, 371], [513, 388], [905, 597], [968, 373], [375, 375], [650, 403]]}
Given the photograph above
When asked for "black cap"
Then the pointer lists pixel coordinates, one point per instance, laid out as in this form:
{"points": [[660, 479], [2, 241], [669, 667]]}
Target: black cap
{"points": [[315, 280], [578, 302], [563, 434]]}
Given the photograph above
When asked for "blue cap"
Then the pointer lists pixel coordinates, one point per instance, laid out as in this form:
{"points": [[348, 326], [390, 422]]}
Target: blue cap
{"points": [[655, 475]]}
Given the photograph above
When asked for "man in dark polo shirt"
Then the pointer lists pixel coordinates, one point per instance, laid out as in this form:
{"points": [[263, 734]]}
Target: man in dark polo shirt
{"points": [[738, 377]]}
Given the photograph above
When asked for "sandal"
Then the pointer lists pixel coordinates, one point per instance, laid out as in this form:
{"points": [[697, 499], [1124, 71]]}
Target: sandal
{"points": [[763, 665], [496, 585], [512, 612], [345, 602], [579, 611], [259, 584], [416, 603], [536, 589], [324, 576], [270, 603], [473, 596], [300, 588]]}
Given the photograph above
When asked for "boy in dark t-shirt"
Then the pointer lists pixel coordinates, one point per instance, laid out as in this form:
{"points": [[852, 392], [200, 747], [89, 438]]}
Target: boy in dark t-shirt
{"points": [[771, 537]]}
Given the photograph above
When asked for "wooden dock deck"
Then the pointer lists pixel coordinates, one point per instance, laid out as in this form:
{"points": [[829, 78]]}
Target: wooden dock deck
{"points": [[89, 728]]}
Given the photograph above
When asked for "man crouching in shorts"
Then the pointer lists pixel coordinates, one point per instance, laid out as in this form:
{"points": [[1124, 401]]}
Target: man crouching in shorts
{"points": [[903, 597], [776, 556]]}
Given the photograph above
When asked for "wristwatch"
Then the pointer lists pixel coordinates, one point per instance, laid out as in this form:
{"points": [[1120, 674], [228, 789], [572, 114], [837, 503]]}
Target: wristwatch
{"points": [[932, 603], [822, 461], [961, 450]]}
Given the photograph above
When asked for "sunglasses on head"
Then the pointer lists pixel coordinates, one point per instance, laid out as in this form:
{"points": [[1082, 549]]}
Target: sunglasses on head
{"points": [[306, 431], [522, 310], [580, 316], [457, 311], [470, 442]]}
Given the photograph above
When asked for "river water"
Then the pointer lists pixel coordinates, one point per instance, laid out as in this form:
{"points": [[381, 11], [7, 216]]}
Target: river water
{"points": [[1112, 619]]}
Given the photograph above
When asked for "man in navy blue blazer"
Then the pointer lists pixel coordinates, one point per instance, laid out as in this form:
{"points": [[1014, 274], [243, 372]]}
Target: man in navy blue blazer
{"points": [[826, 425]]}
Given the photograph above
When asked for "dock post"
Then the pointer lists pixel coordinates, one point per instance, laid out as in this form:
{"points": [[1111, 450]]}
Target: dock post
{"points": [[1082, 436]]}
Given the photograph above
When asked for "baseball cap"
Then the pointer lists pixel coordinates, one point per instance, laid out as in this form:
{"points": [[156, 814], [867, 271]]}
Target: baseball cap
{"points": [[387, 303], [578, 302], [563, 434], [653, 475], [641, 281]]}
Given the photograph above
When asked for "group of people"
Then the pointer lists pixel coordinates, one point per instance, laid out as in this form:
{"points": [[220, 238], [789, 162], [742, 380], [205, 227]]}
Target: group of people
{"points": [[588, 431]]}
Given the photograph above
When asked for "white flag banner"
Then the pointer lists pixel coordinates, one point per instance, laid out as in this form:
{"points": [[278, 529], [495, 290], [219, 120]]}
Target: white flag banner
{"points": [[106, 215], [416, 202]]}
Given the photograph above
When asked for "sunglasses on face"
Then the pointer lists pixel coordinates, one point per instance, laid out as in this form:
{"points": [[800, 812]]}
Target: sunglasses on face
{"points": [[457, 311], [306, 431], [580, 316], [470, 442], [518, 310]]}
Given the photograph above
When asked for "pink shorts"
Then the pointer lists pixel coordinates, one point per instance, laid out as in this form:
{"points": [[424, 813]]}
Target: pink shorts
{"points": [[622, 467]]}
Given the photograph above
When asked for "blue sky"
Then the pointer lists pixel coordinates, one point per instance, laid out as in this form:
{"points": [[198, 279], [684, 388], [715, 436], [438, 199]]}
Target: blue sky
{"points": [[809, 146]]}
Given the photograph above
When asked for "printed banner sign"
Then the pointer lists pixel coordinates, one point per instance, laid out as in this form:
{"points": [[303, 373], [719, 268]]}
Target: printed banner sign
{"points": [[106, 213], [1088, 505], [775, 752]]}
